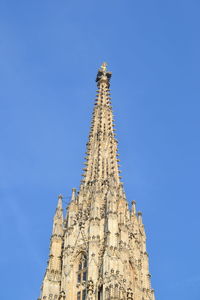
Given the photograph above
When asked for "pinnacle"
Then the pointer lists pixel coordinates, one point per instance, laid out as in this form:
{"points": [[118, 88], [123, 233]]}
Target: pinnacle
{"points": [[59, 205], [73, 197], [58, 218]]}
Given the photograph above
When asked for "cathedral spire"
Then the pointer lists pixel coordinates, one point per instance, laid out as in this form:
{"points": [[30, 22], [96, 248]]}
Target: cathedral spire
{"points": [[101, 155], [99, 250]]}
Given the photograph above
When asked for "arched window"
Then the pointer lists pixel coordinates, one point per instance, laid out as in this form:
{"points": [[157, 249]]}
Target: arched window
{"points": [[82, 277], [107, 293], [100, 292], [82, 269], [81, 295]]}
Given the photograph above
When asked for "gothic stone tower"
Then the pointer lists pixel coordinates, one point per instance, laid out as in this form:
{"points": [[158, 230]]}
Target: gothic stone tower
{"points": [[98, 252]]}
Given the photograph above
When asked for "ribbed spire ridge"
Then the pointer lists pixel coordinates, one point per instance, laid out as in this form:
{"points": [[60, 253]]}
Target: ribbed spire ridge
{"points": [[101, 155]]}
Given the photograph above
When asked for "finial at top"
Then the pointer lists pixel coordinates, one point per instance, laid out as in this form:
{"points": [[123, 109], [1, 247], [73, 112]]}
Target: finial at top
{"points": [[103, 74], [104, 66]]}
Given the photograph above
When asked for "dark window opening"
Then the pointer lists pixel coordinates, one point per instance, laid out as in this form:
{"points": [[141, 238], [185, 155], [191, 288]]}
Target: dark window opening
{"points": [[82, 269], [79, 277], [79, 296], [84, 275], [100, 293], [84, 295]]}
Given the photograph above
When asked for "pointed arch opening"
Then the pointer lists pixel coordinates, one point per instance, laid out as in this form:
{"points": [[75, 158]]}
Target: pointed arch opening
{"points": [[100, 293], [82, 270]]}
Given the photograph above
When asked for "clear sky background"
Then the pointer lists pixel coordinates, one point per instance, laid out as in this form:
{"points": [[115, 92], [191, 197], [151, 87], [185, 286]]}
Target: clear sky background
{"points": [[49, 55]]}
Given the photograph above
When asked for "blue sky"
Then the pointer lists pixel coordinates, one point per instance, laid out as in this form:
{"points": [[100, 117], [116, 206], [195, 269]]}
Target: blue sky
{"points": [[49, 55]]}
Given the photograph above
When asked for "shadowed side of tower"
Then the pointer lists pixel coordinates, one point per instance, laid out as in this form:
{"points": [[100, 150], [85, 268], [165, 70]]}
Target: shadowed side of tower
{"points": [[98, 252]]}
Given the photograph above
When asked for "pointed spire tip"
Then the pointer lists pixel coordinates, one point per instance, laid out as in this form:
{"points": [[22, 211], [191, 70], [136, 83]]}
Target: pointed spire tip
{"points": [[73, 197], [60, 198]]}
